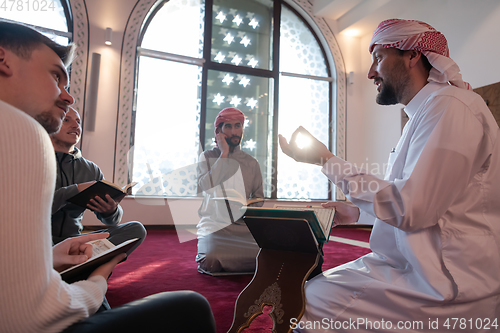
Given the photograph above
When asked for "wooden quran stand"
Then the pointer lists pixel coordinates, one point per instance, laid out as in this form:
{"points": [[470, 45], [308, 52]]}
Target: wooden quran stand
{"points": [[278, 280]]}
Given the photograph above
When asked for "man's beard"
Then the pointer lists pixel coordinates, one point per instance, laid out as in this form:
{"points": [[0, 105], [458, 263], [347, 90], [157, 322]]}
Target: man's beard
{"points": [[387, 95], [230, 141], [49, 122], [391, 92], [61, 143]]}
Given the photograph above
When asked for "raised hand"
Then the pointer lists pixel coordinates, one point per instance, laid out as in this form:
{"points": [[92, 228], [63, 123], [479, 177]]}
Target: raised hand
{"points": [[222, 143], [315, 153]]}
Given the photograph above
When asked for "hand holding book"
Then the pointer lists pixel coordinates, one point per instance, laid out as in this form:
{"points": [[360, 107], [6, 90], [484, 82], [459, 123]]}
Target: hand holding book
{"points": [[90, 190], [106, 206], [346, 213], [74, 250], [104, 258], [105, 269]]}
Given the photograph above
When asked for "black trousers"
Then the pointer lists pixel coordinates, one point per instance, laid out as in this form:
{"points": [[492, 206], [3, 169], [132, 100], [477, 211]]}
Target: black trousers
{"points": [[176, 311]]}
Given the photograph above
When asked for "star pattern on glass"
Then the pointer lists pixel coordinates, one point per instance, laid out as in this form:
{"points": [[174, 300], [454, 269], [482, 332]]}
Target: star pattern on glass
{"points": [[238, 20], [244, 81], [221, 16], [235, 101], [245, 41], [236, 60], [253, 23], [220, 57], [251, 102], [228, 79], [253, 62], [219, 99], [229, 38], [233, 11], [246, 123], [223, 31], [250, 144]]}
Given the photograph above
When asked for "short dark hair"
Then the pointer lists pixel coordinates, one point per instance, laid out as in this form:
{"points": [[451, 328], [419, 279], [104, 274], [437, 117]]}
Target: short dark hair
{"points": [[22, 40]]}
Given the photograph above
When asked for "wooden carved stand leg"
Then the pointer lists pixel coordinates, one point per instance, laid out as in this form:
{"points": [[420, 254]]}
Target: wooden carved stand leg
{"points": [[278, 282]]}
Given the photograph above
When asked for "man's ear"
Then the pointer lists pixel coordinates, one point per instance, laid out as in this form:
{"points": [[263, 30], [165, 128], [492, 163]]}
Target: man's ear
{"points": [[414, 57], [5, 69]]}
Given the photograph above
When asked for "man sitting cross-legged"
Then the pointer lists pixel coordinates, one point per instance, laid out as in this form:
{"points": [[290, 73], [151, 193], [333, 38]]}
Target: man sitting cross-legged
{"points": [[74, 174]]}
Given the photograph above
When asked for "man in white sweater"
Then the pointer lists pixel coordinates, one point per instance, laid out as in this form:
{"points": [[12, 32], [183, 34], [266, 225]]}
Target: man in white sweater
{"points": [[33, 80]]}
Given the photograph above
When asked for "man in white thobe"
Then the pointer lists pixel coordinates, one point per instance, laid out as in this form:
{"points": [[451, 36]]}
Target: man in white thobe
{"points": [[435, 261], [225, 245]]}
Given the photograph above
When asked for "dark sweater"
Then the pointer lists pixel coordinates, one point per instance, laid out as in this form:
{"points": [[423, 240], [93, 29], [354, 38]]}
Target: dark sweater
{"points": [[73, 169]]}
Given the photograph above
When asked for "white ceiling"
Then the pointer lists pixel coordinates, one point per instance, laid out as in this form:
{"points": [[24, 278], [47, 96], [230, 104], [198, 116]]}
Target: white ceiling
{"points": [[361, 17]]}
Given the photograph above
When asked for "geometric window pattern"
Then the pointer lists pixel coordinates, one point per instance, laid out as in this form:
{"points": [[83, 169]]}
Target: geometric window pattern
{"points": [[184, 79], [47, 16]]}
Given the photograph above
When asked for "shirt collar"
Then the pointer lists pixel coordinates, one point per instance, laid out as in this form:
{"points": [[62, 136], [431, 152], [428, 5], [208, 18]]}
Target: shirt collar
{"points": [[74, 155], [412, 107]]}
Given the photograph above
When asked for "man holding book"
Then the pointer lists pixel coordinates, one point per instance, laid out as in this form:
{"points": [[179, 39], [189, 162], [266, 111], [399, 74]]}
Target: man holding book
{"points": [[74, 174], [225, 245], [33, 102]]}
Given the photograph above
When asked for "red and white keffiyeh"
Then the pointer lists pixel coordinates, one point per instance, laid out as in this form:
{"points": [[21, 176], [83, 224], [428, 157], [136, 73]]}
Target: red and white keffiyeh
{"points": [[228, 114], [420, 36]]}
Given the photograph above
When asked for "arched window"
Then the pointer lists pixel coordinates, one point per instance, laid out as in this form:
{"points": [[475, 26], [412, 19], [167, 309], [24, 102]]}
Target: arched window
{"points": [[51, 17], [196, 57], [65, 22]]}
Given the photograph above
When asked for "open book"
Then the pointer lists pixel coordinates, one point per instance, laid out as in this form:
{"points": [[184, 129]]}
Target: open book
{"points": [[100, 188], [234, 196], [320, 219], [102, 252]]}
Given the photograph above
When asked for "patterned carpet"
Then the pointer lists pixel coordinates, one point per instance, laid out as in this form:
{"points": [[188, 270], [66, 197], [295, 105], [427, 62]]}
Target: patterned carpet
{"points": [[161, 263]]}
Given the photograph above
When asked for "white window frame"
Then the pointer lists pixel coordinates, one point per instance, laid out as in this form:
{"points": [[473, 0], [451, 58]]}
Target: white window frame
{"points": [[130, 52]]}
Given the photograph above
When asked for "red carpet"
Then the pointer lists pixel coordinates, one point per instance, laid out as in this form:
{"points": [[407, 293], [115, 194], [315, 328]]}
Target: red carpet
{"points": [[161, 263]]}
